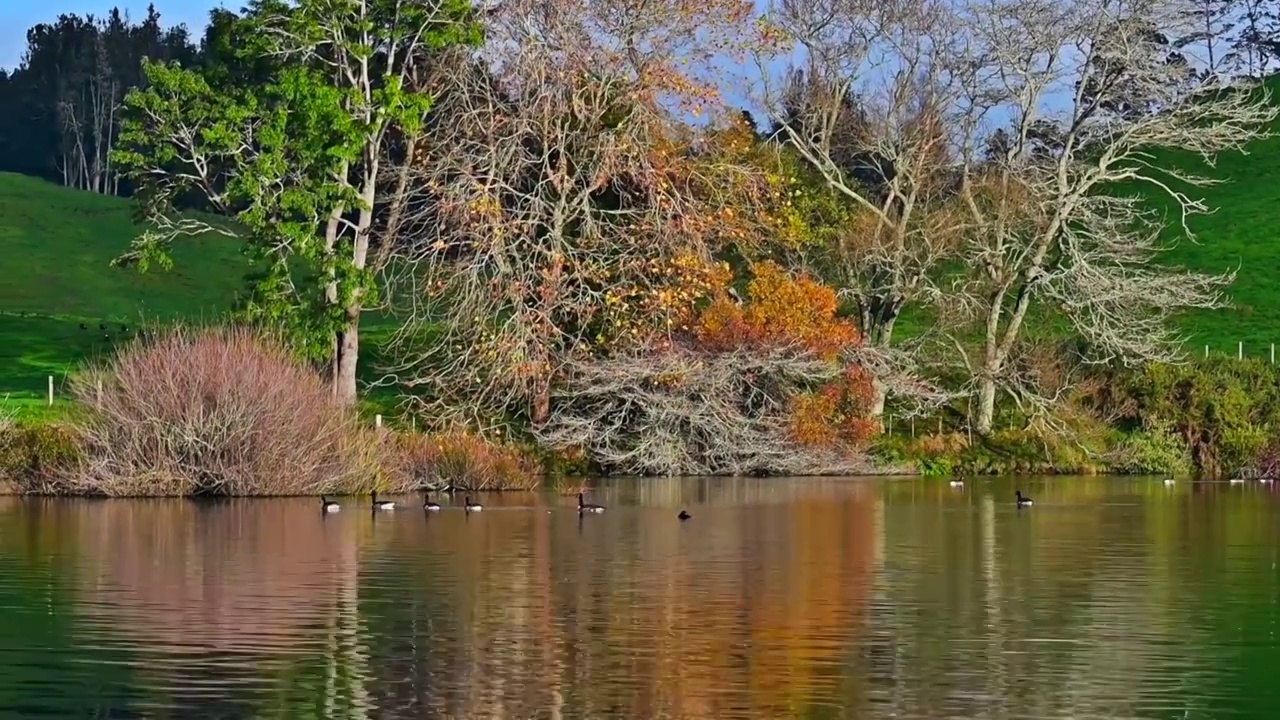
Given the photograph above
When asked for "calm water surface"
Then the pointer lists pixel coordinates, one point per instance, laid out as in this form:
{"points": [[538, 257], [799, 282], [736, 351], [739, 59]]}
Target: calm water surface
{"points": [[781, 598]]}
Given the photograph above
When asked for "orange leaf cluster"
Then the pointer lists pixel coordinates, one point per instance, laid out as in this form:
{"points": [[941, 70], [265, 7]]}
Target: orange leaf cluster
{"points": [[665, 301], [781, 310]]}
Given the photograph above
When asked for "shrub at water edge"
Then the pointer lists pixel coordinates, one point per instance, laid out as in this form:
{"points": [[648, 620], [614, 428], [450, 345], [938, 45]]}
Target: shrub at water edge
{"points": [[222, 411]]}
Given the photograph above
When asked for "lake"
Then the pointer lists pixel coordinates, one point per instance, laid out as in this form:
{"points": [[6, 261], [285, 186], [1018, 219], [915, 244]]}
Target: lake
{"points": [[1110, 598]]}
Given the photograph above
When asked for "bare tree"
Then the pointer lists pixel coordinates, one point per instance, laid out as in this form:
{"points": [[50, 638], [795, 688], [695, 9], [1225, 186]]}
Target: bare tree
{"points": [[1064, 216], [556, 171], [683, 412], [871, 110]]}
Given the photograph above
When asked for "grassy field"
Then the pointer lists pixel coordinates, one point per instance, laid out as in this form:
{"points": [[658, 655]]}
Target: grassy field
{"points": [[57, 245], [1244, 234]]}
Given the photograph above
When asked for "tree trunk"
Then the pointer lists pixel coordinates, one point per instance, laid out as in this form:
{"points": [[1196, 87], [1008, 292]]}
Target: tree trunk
{"points": [[345, 364], [986, 405], [540, 403]]}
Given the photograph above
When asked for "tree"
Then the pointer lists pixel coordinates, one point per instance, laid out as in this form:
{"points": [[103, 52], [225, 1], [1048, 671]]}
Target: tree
{"points": [[880, 136], [63, 111], [1210, 21], [1257, 39], [1067, 224], [764, 384], [290, 143], [558, 171]]}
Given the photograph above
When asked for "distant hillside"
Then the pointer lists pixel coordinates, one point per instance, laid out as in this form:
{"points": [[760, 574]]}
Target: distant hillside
{"points": [[56, 247], [1243, 232]]}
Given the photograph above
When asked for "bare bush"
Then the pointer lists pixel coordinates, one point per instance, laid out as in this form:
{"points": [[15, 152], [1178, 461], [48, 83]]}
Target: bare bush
{"points": [[212, 412], [683, 412], [460, 460]]}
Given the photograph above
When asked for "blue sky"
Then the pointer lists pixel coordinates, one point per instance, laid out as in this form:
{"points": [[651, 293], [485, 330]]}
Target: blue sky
{"points": [[16, 16]]}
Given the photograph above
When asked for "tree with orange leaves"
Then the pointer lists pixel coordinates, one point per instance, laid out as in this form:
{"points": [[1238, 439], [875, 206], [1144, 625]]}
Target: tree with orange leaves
{"points": [[763, 385], [563, 210]]}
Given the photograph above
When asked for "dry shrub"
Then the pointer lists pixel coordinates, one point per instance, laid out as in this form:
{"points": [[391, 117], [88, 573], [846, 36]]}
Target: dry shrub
{"points": [[222, 411], [461, 460], [36, 458]]}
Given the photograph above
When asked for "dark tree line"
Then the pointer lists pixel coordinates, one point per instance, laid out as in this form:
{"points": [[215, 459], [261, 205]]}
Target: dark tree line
{"points": [[62, 104]]}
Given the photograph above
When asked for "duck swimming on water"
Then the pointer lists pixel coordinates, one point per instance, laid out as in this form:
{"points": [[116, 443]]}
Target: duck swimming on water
{"points": [[380, 505], [328, 505], [588, 507], [684, 515], [1021, 500], [470, 506]]}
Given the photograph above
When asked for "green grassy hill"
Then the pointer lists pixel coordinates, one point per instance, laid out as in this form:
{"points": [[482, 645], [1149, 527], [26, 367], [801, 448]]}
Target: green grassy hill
{"points": [[1243, 233], [56, 246]]}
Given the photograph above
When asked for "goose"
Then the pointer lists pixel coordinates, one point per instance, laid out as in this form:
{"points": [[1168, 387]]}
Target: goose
{"points": [[1022, 501], [384, 505], [428, 505], [329, 505], [1168, 481], [1236, 480], [587, 507], [684, 515], [958, 482], [470, 506]]}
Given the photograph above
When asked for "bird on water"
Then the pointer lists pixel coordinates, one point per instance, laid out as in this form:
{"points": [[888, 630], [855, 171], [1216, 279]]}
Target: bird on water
{"points": [[684, 515], [429, 505], [958, 482], [329, 505], [470, 506], [588, 507], [384, 505], [1022, 500]]}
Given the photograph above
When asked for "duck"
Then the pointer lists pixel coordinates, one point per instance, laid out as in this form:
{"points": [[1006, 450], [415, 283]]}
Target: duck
{"points": [[429, 505], [958, 482], [1168, 481], [684, 515], [470, 506], [329, 505], [587, 507], [385, 505], [1022, 501], [1236, 480]]}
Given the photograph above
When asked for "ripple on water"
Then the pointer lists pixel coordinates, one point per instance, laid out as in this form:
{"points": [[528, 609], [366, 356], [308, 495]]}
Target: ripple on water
{"points": [[860, 598]]}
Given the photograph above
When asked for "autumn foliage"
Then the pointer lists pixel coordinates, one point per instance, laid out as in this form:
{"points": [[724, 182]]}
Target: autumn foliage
{"points": [[785, 311]]}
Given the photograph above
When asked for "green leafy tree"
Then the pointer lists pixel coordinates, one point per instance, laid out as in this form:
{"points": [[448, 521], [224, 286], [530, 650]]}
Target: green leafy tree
{"points": [[285, 129]]}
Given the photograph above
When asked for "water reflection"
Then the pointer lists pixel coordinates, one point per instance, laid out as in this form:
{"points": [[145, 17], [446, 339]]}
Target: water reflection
{"points": [[833, 598]]}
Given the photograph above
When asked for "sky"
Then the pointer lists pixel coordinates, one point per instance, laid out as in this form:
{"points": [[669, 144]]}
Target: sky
{"points": [[16, 16]]}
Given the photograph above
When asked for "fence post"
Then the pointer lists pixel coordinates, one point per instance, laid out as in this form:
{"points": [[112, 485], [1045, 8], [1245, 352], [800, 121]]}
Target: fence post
{"points": [[1206, 352], [1273, 353], [50, 391], [1240, 350], [913, 427], [377, 421]]}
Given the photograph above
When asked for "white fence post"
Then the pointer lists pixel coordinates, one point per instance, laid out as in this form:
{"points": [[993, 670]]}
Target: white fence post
{"points": [[50, 391], [1240, 350], [377, 421]]}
